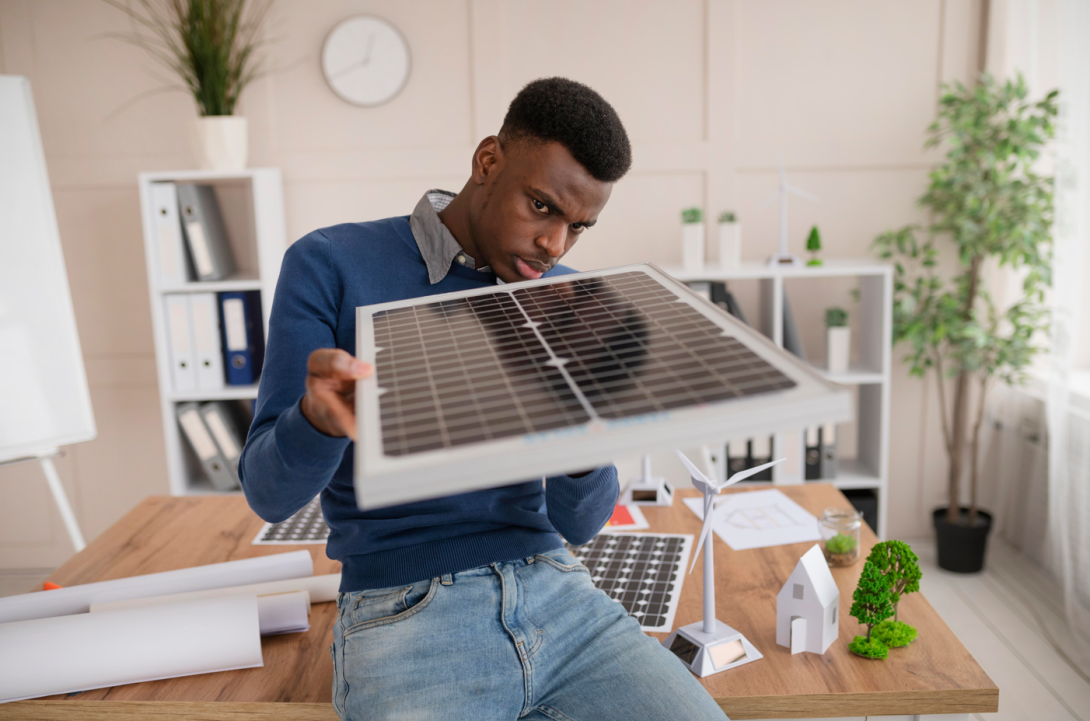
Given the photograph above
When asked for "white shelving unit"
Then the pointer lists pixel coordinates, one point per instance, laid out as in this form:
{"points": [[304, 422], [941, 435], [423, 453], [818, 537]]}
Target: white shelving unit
{"points": [[869, 372], [252, 203]]}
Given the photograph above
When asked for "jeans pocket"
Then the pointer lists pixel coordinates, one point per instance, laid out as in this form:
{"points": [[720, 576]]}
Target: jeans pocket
{"points": [[367, 609]]}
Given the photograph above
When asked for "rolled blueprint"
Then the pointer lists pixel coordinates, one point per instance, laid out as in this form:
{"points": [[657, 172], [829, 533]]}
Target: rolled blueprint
{"points": [[284, 613], [320, 588], [78, 599], [47, 656]]}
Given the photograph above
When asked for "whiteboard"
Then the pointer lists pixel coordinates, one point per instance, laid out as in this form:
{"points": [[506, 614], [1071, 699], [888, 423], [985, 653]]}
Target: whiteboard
{"points": [[44, 402]]}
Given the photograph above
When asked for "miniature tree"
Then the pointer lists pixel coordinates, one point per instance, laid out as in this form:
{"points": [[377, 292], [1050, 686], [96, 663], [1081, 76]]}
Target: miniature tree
{"points": [[813, 244], [901, 569], [871, 604]]}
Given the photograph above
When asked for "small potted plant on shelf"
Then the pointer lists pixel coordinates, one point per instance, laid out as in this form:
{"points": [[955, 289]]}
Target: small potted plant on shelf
{"points": [[211, 46], [989, 202], [838, 340], [692, 239], [871, 604], [901, 569], [813, 244], [730, 240]]}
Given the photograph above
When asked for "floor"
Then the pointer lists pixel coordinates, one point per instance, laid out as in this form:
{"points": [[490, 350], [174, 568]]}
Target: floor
{"points": [[1010, 617]]}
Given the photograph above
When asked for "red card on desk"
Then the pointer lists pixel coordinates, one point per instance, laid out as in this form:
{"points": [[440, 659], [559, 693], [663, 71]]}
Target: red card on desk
{"points": [[627, 518]]}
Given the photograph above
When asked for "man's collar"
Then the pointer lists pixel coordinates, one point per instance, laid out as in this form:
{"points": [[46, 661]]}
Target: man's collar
{"points": [[438, 246]]}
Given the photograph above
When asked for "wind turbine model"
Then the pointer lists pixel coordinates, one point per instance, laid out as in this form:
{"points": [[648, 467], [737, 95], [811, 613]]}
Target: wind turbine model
{"points": [[783, 257], [711, 646], [648, 490]]}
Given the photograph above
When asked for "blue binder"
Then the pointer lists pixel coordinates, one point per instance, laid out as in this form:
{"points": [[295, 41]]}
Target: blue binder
{"points": [[243, 336]]}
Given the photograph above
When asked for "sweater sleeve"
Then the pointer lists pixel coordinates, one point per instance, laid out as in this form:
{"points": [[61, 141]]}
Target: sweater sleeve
{"points": [[286, 460], [579, 507]]}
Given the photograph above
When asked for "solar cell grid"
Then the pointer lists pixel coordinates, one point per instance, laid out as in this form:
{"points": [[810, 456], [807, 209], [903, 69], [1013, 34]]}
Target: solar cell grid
{"points": [[473, 369]]}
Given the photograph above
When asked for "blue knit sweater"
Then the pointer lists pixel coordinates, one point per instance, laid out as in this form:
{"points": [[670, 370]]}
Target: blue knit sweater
{"points": [[286, 461]]}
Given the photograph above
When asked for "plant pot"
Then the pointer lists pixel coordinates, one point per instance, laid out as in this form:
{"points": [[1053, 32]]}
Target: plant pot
{"points": [[730, 245], [838, 348], [220, 142], [692, 247], [961, 547]]}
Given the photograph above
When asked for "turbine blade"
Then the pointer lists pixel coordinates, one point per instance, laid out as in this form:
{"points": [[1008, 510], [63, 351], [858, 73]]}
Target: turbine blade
{"points": [[693, 470], [801, 193], [743, 475], [709, 513]]}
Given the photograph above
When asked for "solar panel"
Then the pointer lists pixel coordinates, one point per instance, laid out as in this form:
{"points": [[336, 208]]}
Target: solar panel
{"points": [[496, 385]]}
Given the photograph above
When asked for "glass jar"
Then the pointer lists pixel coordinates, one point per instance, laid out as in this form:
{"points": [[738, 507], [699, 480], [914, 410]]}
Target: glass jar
{"points": [[840, 536]]}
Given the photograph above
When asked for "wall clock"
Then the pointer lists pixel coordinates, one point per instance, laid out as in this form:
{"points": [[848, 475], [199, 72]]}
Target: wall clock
{"points": [[366, 61]]}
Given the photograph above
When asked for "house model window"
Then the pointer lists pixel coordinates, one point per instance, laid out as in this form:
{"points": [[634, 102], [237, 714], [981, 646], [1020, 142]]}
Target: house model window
{"points": [[798, 591]]}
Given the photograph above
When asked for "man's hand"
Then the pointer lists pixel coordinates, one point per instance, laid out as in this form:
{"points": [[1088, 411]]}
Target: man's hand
{"points": [[329, 404]]}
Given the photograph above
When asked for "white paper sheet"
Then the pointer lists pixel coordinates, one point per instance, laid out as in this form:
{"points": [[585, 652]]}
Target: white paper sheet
{"points": [[759, 519], [321, 589], [78, 599], [284, 613], [47, 656]]}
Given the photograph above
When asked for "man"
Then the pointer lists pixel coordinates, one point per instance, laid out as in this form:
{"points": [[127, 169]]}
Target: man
{"points": [[465, 607]]}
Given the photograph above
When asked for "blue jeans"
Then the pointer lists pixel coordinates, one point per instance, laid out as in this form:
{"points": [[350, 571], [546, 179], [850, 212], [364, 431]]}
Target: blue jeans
{"points": [[528, 639]]}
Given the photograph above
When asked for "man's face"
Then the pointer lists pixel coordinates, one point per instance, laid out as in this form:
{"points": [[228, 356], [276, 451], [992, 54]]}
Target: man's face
{"points": [[535, 200]]}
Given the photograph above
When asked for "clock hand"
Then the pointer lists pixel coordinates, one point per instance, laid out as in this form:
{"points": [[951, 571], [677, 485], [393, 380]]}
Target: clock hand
{"points": [[344, 71], [370, 44]]}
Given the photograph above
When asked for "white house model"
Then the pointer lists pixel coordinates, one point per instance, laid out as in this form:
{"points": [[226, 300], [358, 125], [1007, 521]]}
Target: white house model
{"points": [[807, 606]]}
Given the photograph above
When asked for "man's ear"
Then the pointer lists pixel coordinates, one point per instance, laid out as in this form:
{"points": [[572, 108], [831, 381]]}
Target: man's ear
{"points": [[487, 159]]}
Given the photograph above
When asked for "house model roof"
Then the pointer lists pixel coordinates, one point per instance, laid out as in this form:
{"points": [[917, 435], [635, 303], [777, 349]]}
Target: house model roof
{"points": [[814, 564]]}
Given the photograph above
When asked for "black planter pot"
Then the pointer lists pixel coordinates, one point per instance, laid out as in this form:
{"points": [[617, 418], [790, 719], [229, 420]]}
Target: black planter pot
{"points": [[961, 547]]}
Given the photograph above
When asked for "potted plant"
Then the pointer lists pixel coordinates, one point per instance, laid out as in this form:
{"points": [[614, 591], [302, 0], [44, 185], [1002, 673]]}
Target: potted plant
{"points": [[692, 239], [989, 202], [838, 340], [211, 47], [813, 244], [730, 240]]}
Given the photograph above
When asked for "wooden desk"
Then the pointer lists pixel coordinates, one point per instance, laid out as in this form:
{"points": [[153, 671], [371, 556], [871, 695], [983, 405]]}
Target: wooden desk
{"points": [[935, 675]]}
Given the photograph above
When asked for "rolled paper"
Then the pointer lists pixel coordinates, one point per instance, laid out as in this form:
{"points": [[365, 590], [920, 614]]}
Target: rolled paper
{"points": [[284, 613], [320, 588], [78, 599], [46, 656]]}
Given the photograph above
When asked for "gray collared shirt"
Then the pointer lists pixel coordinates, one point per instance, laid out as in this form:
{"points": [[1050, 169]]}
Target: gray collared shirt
{"points": [[437, 245]]}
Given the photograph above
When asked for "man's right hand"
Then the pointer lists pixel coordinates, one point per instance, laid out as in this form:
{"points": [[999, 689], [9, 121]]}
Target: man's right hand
{"points": [[329, 404]]}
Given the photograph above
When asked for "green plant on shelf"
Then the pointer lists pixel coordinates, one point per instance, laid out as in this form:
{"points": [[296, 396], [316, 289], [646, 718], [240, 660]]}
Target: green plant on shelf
{"points": [[871, 604], [836, 317], [692, 215], [727, 216], [813, 244], [841, 544]]}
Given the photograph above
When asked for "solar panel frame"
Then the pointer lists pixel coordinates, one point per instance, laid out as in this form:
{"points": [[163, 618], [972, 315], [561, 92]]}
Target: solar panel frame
{"points": [[435, 470]]}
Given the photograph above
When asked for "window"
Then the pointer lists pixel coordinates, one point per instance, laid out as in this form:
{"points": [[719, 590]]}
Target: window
{"points": [[798, 591], [834, 615]]}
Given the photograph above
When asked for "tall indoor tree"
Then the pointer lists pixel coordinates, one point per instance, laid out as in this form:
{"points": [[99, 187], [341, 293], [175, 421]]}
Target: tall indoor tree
{"points": [[990, 202]]}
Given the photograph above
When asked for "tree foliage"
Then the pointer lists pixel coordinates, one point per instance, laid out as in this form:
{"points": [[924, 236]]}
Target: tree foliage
{"points": [[900, 567], [871, 602], [987, 200]]}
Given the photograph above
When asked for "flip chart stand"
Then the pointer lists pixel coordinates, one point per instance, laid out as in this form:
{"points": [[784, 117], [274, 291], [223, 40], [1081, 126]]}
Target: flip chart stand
{"points": [[53, 480]]}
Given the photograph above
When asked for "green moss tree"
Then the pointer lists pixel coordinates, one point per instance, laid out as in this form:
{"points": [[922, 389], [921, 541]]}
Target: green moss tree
{"points": [[900, 567], [813, 241], [871, 602]]}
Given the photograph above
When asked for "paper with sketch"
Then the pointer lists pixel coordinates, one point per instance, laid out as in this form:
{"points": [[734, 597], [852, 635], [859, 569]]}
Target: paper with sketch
{"points": [[758, 519]]}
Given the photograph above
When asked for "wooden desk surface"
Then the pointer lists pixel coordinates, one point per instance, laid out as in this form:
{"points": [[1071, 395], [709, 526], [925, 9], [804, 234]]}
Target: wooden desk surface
{"points": [[934, 675]]}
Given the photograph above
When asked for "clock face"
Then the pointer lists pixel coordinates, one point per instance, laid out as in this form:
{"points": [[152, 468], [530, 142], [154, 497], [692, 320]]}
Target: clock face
{"points": [[366, 61]]}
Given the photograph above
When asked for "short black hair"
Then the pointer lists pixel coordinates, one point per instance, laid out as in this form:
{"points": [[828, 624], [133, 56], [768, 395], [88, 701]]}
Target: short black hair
{"points": [[575, 116]]}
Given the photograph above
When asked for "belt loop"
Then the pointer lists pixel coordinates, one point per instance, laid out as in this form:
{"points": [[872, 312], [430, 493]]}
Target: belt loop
{"points": [[529, 560], [446, 579]]}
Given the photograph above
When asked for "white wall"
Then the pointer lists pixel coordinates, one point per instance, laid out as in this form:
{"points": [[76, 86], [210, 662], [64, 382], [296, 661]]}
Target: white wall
{"points": [[712, 92]]}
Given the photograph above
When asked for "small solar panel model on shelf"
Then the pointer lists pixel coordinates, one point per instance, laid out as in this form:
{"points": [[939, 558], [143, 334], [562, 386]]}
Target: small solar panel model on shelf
{"points": [[479, 388], [710, 646]]}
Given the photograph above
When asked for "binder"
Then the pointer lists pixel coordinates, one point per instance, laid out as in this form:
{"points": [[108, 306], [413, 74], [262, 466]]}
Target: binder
{"points": [[792, 341], [813, 453], [183, 373], [205, 234], [174, 266], [830, 465], [223, 426], [207, 345], [243, 337], [701, 288], [200, 440], [736, 456], [723, 298], [760, 452]]}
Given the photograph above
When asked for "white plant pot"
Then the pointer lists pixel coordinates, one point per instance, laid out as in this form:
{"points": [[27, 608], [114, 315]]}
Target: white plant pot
{"points": [[838, 349], [692, 247], [220, 142], [730, 245]]}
